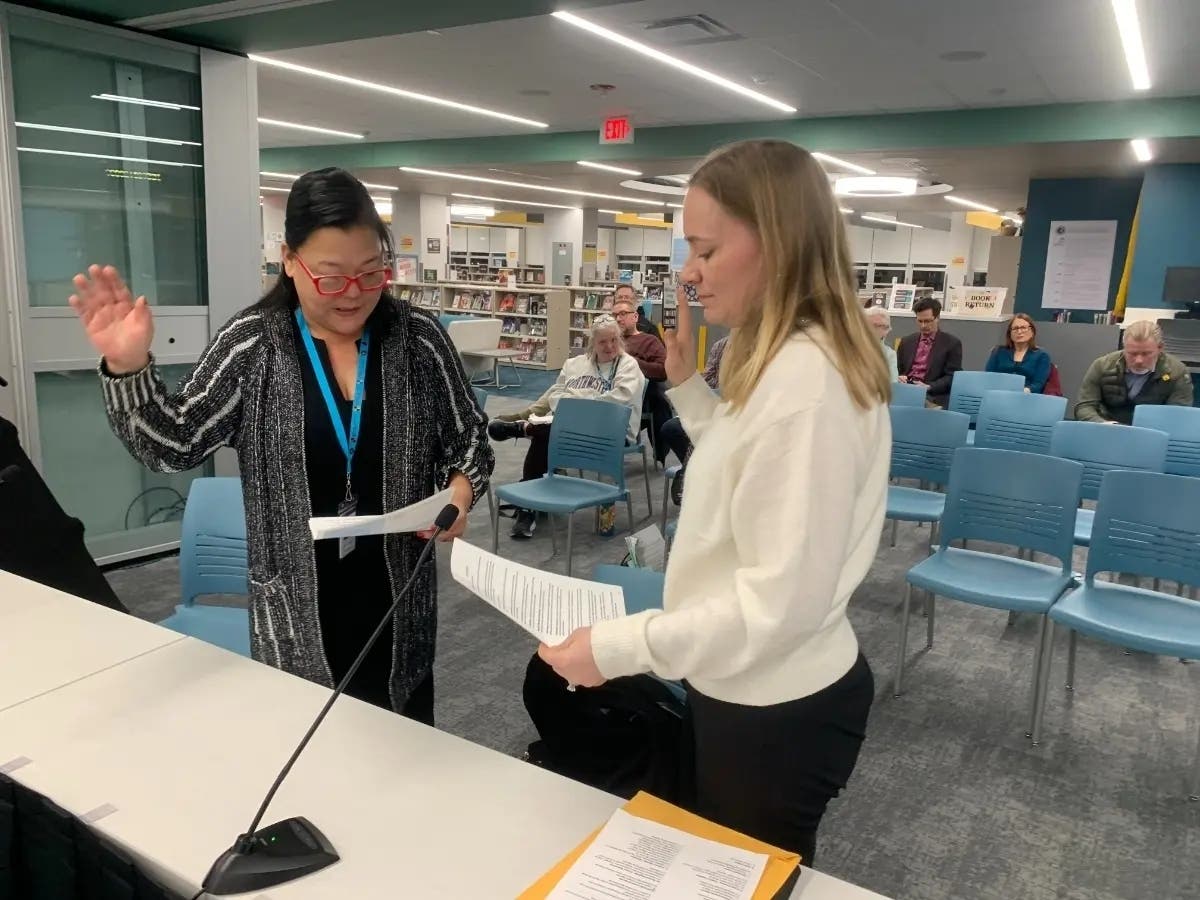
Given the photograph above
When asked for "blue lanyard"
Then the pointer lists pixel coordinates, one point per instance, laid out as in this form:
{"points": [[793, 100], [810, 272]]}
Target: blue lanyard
{"points": [[347, 442], [612, 373]]}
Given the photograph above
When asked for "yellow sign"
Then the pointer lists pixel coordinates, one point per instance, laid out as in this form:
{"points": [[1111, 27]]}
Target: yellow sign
{"points": [[406, 242], [987, 220]]}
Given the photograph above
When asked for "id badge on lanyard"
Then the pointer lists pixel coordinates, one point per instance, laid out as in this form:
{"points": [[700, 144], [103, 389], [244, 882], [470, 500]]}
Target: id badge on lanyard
{"points": [[347, 441]]}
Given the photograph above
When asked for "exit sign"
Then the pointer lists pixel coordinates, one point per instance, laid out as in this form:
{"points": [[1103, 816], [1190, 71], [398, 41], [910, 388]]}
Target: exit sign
{"points": [[616, 130]]}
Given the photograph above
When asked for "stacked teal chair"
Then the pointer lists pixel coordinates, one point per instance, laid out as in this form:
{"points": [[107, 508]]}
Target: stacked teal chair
{"points": [[1182, 427], [1148, 525], [588, 436], [908, 394], [968, 387], [1014, 420], [643, 590], [212, 560], [1017, 499], [923, 446]]}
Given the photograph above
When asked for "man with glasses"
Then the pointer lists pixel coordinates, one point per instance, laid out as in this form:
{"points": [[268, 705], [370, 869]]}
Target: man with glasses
{"points": [[931, 356], [647, 349]]}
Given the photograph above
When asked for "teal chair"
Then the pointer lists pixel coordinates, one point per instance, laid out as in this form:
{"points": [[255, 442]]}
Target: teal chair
{"points": [[968, 387], [923, 446], [1148, 525], [212, 560], [908, 394], [1182, 426], [1102, 448], [588, 436], [640, 445], [643, 590], [669, 476], [1014, 420], [1019, 499]]}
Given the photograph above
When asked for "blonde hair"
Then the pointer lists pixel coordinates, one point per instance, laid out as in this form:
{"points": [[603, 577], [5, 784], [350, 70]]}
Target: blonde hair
{"points": [[781, 192], [603, 322], [1144, 330]]}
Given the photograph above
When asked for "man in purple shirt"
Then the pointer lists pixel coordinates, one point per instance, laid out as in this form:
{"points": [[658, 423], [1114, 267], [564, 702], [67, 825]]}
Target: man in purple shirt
{"points": [[931, 356]]}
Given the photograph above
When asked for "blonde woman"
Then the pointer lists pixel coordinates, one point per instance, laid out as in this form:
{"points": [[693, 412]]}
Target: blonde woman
{"points": [[783, 504], [604, 372]]}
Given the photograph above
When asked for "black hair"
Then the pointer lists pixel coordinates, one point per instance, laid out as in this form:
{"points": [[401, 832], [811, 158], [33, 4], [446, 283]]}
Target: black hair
{"points": [[325, 198], [928, 303]]}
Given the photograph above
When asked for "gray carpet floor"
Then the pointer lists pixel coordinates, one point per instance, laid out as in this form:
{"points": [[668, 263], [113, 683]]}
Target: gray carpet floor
{"points": [[949, 799]]}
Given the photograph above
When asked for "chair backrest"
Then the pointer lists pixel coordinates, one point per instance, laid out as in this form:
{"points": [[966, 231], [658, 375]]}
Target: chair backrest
{"points": [[643, 588], [1147, 524], [590, 435], [1012, 420], [470, 333], [924, 441], [968, 387], [1182, 425], [212, 549], [1102, 448], [1021, 499], [908, 394], [480, 397]]}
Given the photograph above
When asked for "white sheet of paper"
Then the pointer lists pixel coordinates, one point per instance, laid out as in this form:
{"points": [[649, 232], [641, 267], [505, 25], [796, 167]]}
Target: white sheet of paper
{"points": [[651, 548], [636, 859], [417, 517], [546, 605]]}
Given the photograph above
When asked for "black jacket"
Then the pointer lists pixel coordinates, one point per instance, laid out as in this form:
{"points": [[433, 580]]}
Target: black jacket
{"points": [[945, 358]]}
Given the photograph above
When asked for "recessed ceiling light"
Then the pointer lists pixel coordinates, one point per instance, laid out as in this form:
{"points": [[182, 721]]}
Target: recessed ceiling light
{"points": [[845, 209], [516, 202], [844, 163], [889, 221], [875, 186], [973, 204], [1141, 149], [611, 212], [531, 187], [111, 134], [608, 168], [142, 101], [676, 205], [156, 162], [279, 123], [395, 91], [674, 62], [367, 184], [1126, 14]]}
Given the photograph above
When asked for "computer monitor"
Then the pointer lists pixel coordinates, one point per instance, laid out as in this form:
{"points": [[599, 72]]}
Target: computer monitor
{"points": [[1181, 287]]}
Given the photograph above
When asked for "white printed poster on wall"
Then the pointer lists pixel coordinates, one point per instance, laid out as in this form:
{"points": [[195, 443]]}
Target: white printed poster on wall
{"points": [[1079, 262]]}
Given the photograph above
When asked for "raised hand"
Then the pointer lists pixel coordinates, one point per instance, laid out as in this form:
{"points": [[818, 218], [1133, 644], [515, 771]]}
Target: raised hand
{"points": [[118, 326], [681, 343]]}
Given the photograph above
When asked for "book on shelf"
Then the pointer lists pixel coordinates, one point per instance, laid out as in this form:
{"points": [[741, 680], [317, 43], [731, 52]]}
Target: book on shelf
{"points": [[608, 301], [577, 301], [526, 348], [539, 353], [538, 328], [577, 342], [525, 328], [593, 301], [508, 303], [537, 306], [578, 320], [506, 343], [523, 304]]}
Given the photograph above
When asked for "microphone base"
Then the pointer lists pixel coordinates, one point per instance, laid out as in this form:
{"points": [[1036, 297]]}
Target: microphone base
{"points": [[273, 855]]}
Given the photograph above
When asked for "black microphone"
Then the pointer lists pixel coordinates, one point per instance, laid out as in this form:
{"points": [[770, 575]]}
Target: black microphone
{"points": [[295, 847]]}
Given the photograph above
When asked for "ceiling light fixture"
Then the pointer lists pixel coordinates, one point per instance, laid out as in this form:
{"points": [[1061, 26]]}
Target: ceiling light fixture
{"points": [[847, 210], [111, 134], [516, 202], [1126, 15], [678, 179], [667, 59], [973, 204], [844, 163], [367, 184], [472, 210], [395, 91], [279, 123], [608, 168], [611, 212], [676, 205], [1141, 149], [520, 184], [141, 101], [264, 187], [875, 186], [156, 162], [867, 218]]}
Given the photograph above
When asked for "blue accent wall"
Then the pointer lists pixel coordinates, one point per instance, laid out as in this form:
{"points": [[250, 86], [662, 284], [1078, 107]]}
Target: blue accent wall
{"points": [[1056, 199], [1168, 230]]}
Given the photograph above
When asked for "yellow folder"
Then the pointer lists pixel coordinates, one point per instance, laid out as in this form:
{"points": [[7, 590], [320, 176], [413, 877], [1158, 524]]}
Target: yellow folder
{"points": [[780, 863]]}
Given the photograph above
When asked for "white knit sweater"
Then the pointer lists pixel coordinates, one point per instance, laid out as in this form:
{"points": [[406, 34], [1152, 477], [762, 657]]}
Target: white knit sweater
{"points": [[781, 516]]}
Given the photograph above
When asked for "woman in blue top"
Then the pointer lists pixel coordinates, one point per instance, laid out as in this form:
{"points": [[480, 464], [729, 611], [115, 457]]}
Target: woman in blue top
{"points": [[1020, 354]]}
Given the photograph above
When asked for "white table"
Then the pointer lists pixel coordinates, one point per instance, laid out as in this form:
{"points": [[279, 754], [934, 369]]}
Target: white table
{"points": [[500, 353], [183, 740], [49, 639]]}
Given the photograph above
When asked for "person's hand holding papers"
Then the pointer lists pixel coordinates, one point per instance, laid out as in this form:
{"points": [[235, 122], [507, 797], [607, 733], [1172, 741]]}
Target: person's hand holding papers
{"points": [[573, 659]]}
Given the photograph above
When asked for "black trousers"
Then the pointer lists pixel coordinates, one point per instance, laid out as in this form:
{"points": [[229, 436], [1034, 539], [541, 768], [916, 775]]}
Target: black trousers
{"points": [[675, 439], [770, 771]]}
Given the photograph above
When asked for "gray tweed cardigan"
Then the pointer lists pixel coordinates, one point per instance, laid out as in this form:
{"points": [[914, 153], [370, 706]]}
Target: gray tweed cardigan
{"points": [[246, 392]]}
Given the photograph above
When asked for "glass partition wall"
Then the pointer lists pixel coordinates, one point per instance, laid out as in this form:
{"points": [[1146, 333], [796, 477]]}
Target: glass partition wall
{"points": [[104, 154]]}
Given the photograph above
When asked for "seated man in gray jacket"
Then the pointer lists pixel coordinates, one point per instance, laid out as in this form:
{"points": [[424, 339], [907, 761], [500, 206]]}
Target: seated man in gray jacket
{"points": [[1139, 373]]}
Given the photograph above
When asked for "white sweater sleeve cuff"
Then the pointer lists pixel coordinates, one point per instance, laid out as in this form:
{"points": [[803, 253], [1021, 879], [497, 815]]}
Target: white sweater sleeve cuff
{"points": [[619, 645], [694, 401]]}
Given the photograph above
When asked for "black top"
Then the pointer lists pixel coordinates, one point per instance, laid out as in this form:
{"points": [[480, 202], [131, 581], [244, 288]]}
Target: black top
{"points": [[352, 593]]}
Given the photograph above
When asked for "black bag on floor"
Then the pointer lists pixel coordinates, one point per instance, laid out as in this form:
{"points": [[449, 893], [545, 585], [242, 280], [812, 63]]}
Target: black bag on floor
{"points": [[622, 737]]}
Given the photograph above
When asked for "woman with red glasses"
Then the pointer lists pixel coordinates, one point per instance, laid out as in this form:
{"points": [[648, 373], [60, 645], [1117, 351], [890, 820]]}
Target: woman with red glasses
{"points": [[340, 400]]}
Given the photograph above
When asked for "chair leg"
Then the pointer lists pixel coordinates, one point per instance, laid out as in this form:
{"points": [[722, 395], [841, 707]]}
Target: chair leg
{"points": [[629, 507], [897, 688], [495, 524], [895, 525], [1012, 618], [1072, 641], [491, 502], [570, 540], [929, 606], [554, 531], [1041, 675], [933, 536], [666, 497], [646, 475], [1194, 794]]}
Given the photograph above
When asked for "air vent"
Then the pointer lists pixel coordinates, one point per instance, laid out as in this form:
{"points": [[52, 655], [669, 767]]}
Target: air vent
{"points": [[687, 31]]}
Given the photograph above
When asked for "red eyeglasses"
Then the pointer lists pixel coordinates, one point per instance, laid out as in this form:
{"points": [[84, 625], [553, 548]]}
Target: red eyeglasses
{"points": [[336, 285]]}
